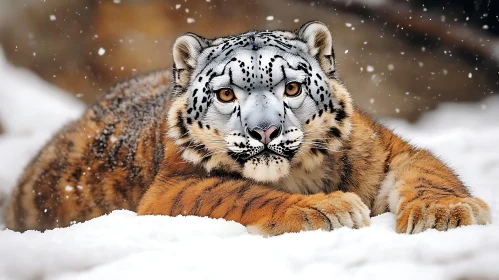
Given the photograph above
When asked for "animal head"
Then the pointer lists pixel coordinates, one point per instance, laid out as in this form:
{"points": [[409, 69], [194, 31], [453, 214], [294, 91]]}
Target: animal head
{"points": [[259, 103]]}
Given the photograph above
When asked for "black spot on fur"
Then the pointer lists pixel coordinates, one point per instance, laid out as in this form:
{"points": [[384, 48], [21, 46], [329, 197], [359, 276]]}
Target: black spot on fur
{"points": [[340, 113], [335, 131], [181, 125]]}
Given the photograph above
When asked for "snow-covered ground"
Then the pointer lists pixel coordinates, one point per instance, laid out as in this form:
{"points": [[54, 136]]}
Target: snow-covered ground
{"points": [[125, 246]]}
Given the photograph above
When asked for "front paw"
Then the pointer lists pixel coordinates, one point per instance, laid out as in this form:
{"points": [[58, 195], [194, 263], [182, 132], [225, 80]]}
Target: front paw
{"points": [[441, 214], [319, 211]]}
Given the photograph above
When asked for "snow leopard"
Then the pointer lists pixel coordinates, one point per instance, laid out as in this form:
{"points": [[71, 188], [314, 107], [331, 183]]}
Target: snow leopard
{"points": [[256, 128]]}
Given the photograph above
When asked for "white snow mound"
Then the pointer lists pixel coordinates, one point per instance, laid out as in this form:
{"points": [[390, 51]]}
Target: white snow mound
{"points": [[123, 245]]}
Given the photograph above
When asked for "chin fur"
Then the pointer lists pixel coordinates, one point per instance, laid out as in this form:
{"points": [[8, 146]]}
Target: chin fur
{"points": [[266, 168]]}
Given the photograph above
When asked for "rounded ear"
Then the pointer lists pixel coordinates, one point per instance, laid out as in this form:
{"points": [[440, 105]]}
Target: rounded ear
{"points": [[186, 50], [320, 44]]}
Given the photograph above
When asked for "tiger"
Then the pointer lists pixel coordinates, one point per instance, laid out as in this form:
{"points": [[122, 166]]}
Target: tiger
{"points": [[256, 128]]}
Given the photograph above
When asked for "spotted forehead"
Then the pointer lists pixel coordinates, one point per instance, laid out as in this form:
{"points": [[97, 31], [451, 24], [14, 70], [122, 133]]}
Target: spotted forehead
{"points": [[223, 48], [257, 39]]}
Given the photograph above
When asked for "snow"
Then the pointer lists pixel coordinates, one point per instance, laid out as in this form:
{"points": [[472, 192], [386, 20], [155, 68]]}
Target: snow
{"points": [[123, 245]]}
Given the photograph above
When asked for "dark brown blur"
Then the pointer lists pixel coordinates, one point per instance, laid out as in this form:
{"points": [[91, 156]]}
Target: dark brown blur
{"points": [[85, 46]]}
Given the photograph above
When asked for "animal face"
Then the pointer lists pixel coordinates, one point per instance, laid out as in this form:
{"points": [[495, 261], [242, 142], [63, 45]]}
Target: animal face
{"points": [[257, 103]]}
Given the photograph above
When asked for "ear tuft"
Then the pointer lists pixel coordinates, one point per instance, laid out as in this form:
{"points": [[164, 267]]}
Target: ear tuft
{"points": [[186, 51], [320, 44]]}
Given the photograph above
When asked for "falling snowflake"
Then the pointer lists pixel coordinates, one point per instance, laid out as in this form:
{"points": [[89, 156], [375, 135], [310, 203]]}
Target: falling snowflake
{"points": [[269, 18], [101, 51], [190, 20], [369, 68], [52, 18]]}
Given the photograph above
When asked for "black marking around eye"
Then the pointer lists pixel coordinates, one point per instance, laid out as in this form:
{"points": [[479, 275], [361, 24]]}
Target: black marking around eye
{"points": [[283, 72], [230, 76]]}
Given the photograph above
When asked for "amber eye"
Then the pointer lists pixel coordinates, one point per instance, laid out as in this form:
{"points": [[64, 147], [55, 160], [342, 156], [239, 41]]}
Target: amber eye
{"points": [[293, 89], [226, 95]]}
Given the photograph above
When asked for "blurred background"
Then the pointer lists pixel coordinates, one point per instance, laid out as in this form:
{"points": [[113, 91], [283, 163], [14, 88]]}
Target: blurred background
{"points": [[399, 58]]}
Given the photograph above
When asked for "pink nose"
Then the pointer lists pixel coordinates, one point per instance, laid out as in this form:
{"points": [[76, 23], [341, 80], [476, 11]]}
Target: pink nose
{"points": [[267, 135]]}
